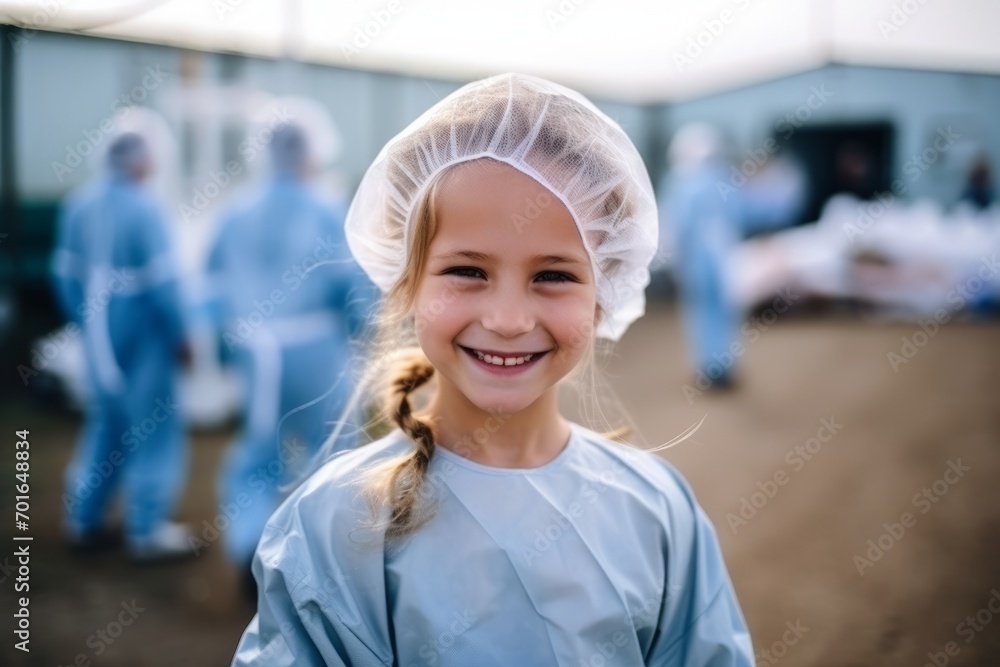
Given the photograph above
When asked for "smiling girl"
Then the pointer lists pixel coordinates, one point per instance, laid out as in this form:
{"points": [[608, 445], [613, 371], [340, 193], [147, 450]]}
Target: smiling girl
{"points": [[509, 227]]}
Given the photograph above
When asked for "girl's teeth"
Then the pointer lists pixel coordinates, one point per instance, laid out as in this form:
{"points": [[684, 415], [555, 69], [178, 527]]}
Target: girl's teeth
{"points": [[502, 361]]}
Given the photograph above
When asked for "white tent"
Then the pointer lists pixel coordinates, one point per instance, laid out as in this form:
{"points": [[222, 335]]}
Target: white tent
{"points": [[632, 50]]}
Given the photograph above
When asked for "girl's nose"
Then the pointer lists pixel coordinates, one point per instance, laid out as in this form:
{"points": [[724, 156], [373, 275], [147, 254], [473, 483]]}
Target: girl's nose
{"points": [[507, 313]]}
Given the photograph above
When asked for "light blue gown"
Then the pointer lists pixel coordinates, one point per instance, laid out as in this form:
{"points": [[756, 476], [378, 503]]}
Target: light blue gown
{"points": [[600, 557], [706, 229], [116, 278], [288, 297]]}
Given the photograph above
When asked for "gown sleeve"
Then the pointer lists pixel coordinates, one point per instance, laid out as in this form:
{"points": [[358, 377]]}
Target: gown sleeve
{"points": [[68, 269], [315, 608], [701, 623]]}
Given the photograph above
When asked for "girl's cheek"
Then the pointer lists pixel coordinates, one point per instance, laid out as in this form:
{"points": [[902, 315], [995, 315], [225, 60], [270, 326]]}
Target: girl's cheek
{"points": [[438, 304], [577, 327], [429, 297], [581, 335]]}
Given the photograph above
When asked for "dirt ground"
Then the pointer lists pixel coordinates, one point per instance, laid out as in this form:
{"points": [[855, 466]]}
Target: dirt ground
{"points": [[822, 447]]}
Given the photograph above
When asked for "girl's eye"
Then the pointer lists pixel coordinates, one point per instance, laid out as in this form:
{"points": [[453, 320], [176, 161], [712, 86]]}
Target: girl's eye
{"points": [[544, 276], [555, 277], [465, 272]]}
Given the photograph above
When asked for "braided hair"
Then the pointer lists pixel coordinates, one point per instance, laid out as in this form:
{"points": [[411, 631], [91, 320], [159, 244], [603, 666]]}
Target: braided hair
{"points": [[407, 476], [398, 485]]}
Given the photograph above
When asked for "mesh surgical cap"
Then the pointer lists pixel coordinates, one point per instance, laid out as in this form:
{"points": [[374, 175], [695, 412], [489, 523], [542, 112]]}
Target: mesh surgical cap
{"points": [[546, 131]]}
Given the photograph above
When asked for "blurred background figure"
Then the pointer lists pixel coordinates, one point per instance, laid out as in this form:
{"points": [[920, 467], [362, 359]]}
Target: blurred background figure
{"points": [[117, 281], [704, 222], [853, 170], [978, 191], [287, 300], [773, 197]]}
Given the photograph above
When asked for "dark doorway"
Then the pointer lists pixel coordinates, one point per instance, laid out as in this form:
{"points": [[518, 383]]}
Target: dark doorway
{"points": [[854, 158]]}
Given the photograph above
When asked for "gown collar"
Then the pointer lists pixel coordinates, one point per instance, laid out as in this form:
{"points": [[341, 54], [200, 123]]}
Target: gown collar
{"points": [[556, 462]]}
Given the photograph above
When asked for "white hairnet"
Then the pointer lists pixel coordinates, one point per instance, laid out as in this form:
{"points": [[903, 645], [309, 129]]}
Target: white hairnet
{"points": [[266, 116], [546, 131], [160, 147]]}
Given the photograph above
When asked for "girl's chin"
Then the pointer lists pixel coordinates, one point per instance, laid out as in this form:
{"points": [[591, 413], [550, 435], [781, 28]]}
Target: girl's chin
{"points": [[504, 405]]}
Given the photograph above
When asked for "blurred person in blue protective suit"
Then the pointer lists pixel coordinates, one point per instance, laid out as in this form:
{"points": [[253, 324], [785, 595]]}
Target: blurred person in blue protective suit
{"points": [[771, 198], [705, 222], [486, 529], [287, 297], [117, 279]]}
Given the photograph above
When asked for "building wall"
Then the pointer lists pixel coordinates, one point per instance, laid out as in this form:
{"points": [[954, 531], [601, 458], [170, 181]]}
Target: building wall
{"points": [[68, 84], [917, 103]]}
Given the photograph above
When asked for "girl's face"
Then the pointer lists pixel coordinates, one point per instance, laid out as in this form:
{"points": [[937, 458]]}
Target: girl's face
{"points": [[506, 304]]}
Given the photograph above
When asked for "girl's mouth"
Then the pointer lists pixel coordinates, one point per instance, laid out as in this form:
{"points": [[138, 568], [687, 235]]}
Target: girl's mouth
{"points": [[509, 364]]}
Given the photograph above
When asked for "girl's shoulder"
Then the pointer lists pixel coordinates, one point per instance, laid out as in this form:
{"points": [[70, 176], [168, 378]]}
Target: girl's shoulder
{"points": [[334, 493], [320, 564], [635, 470], [351, 463]]}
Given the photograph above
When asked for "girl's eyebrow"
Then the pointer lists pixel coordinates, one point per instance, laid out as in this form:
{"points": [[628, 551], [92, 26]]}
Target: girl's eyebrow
{"points": [[485, 257]]}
